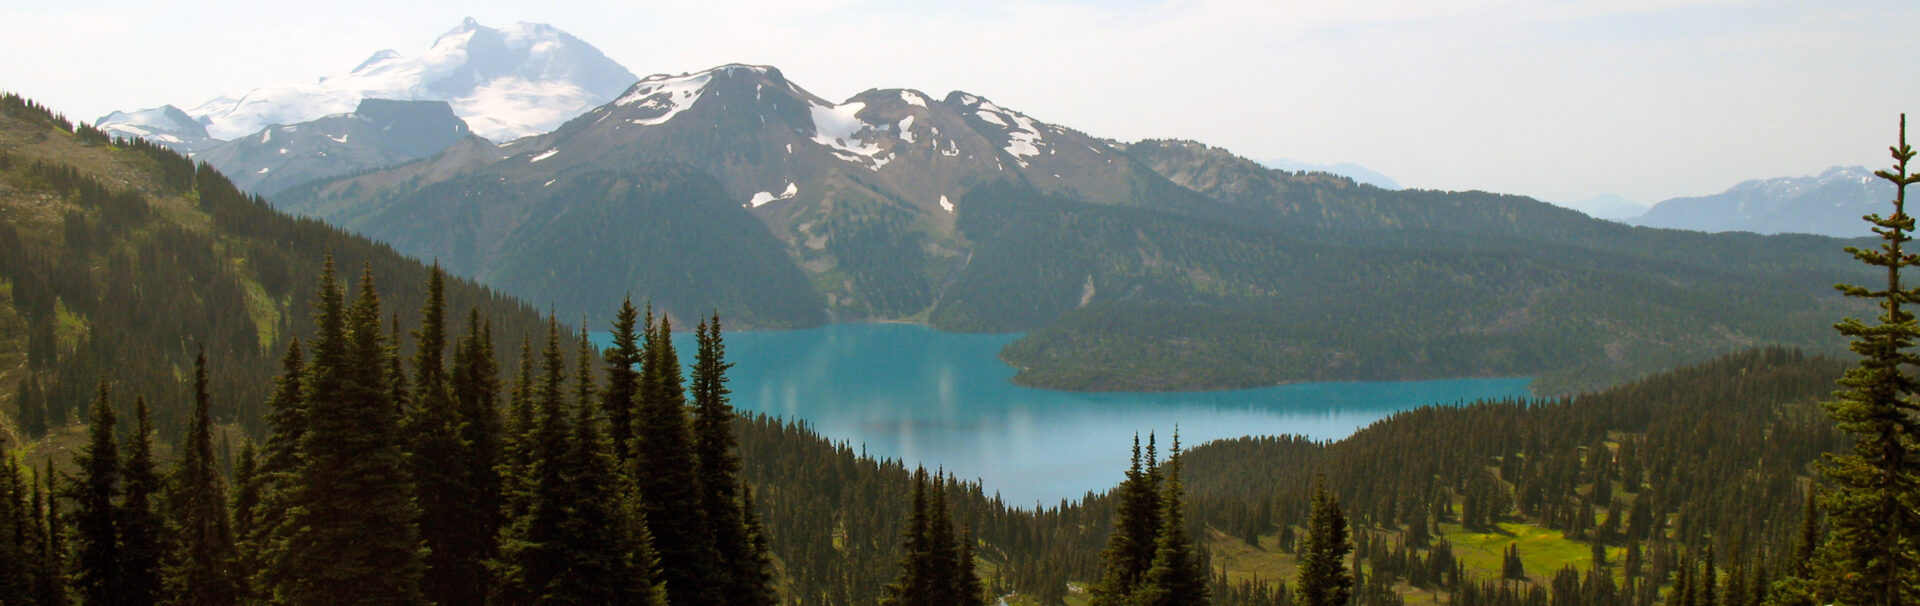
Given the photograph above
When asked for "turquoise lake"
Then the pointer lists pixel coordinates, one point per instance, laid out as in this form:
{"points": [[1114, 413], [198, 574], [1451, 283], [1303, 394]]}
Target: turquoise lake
{"points": [[944, 400]]}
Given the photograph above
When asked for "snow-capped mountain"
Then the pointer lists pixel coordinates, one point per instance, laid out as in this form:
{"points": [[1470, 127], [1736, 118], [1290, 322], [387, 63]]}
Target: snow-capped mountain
{"points": [[379, 132], [506, 83], [768, 140], [1830, 203], [816, 173], [166, 125]]}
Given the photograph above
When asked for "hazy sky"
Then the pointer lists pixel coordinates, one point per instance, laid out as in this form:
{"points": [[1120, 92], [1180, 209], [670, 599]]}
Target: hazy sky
{"points": [[1561, 99]]}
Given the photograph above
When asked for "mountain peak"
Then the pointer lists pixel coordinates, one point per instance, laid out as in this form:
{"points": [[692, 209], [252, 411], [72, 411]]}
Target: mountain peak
{"points": [[506, 83], [166, 125], [379, 57]]}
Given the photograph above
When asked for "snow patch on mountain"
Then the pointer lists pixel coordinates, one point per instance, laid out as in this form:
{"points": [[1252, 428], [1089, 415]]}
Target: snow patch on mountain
{"points": [[1024, 138], [767, 196], [668, 95], [906, 129], [839, 128]]}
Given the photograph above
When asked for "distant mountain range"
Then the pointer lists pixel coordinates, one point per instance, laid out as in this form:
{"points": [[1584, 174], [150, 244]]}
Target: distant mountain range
{"points": [[378, 133], [1359, 174], [1149, 265], [1830, 203], [1609, 206], [502, 84], [520, 80]]}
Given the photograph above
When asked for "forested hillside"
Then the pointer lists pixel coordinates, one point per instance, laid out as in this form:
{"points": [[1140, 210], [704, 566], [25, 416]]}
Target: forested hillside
{"points": [[1634, 482], [118, 260]]}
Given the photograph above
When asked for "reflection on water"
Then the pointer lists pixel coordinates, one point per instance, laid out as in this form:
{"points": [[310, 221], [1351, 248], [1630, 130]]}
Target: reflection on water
{"points": [[943, 400]]}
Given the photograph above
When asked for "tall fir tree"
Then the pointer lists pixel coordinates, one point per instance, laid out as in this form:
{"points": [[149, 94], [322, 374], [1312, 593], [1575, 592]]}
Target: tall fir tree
{"points": [[762, 570], [1872, 554], [914, 586], [96, 517], [201, 566], [452, 505], [31, 408], [142, 531], [17, 561], [1324, 579], [352, 537], [245, 504], [51, 584], [665, 472], [476, 387], [531, 556], [1177, 576], [623, 379], [607, 555], [517, 444], [719, 466], [1136, 529], [931, 573], [265, 537]]}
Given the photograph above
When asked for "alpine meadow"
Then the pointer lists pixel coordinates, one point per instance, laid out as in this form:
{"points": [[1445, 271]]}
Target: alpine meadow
{"points": [[501, 322]]}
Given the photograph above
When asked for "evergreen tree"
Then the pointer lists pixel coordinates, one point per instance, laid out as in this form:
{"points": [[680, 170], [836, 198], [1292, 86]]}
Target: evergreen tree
{"points": [[517, 446], [913, 587], [623, 379], [31, 406], [971, 591], [1511, 566], [475, 388], [719, 468], [200, 568], [1177, 576], [96, 517], [607, 556], [16, 536], [932, 572], [532, 556], [248, 552], [1871, 555], [51, 584], [265, 536], [142, 540], [665, 472], [1708, 580], [761, 570], [352, 537], [1324, 579], [1136, 529], [453, 508]]}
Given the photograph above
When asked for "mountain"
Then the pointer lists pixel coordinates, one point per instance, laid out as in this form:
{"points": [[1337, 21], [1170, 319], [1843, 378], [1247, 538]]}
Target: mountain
{"points": [[847, 210], [166, 125], [1609, 206], [506, 83], [1359, 174], [377, 133], [1830, 203], [1151, 265]]}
